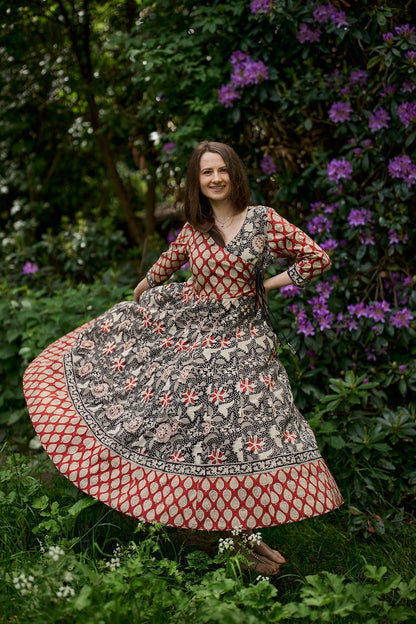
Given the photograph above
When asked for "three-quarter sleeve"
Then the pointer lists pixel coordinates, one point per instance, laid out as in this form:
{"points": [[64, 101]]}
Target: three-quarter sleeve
{"points": [[172, 259], [285, 240]]}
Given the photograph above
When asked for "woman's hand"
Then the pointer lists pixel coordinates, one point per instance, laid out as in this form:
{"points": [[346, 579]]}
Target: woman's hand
{"points": [[140, 289]]}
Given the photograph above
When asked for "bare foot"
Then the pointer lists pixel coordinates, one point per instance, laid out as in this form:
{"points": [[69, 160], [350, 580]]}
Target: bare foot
{"points": [[261, 565], [271, 554]]}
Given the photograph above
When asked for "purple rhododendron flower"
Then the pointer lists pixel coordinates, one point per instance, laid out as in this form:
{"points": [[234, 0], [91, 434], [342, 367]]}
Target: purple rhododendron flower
{"points": [[290, 291], [404, 30], [172, 235], [246, 71], [304, 324], [407, 113], [408, 86], [357, 309], [330, 244], [395, 238], [399, 165], [319, 224], [377, 311], [339, 169], [378, 120], [321, 313], [316, 205], [325, 13], [401, 318], [268, 166], [169, 146], [324, 289], [388, 91], [358, 76], [227, 94], [388, 37], [411, 56], [403, 168], [261, 6], [367, 238], [366, 143], [331, 208], [305, 33], [340, 111], [30, 268], [359, 216]]}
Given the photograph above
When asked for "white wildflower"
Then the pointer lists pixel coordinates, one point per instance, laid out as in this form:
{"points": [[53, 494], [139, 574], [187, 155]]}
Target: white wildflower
{"points": [[55, 552], [225, 544], [117, 551], [68, 577], [261, 578], [113, 564], [24, 584], [253, 539], [65, 591], [236, 532]]}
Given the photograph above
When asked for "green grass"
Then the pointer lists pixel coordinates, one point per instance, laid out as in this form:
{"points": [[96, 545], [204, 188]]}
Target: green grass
{"points": [[336, 570]]}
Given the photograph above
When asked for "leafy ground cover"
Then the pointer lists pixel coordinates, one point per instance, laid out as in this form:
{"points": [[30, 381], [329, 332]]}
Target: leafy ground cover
{"points": [[66, 557]]}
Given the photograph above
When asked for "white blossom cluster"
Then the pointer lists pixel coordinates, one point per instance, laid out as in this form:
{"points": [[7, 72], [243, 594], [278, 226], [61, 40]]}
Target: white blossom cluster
{"points": [[251, 540], [65, 591], [113, 564], [261, 578], [225, 544], [55, 552], [24, 584], [115, 561]]}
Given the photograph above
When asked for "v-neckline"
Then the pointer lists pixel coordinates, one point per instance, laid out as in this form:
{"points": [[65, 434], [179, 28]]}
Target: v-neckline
{"points": [[236, 235]]}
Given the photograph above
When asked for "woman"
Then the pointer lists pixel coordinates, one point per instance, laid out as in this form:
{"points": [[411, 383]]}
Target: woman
{"points": [[175, 408]]}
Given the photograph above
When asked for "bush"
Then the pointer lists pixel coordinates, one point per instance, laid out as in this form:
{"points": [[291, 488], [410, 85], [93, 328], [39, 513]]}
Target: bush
{"points": [[32, 319]]}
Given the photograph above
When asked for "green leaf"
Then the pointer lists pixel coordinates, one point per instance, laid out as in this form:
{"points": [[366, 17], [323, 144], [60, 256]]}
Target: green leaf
{"points": [[83, 600], [83, 503]]}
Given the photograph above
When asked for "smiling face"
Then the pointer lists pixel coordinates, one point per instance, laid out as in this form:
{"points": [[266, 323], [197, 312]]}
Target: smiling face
{"points": [[214, 178]]}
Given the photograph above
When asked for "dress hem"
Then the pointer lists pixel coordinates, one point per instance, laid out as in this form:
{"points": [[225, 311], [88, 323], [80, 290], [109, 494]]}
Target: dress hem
{"points": [[221, 503]]}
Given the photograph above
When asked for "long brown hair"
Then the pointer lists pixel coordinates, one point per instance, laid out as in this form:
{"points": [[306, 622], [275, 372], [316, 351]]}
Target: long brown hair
{"points": [[198, 210]]}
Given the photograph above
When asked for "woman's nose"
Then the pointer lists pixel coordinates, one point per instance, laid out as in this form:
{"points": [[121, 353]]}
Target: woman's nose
{"points": [[217, 175]]}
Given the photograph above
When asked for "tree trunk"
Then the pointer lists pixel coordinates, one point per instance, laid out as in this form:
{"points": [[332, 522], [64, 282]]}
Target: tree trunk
{"points": [[135, 230], [79, 35]]}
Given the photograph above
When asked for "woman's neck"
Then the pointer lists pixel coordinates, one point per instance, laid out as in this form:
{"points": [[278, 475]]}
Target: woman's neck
{"points": [[222, 209]]}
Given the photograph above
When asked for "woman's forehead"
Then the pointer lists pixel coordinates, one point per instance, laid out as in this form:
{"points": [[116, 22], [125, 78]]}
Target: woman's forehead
{"points": [[211, 160]]}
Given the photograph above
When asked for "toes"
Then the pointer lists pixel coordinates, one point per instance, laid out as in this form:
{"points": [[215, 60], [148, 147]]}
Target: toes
{"points": [[278, 557], [263, 565], [271, 554]]}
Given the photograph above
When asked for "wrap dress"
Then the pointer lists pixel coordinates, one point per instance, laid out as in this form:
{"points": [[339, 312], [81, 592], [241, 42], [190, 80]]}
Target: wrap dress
{"points": [[177, 409]]}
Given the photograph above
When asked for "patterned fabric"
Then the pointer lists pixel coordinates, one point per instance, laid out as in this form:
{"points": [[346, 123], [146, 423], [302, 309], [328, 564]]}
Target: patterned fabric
{"points": [[177, 409]]}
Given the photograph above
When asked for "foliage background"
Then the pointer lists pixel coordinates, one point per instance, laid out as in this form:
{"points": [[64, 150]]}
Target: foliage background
{"points": [[100, 106]]}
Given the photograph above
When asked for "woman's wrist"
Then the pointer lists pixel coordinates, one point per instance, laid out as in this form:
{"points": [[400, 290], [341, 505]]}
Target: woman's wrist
{"points": [[277, 281], [141, 288]]}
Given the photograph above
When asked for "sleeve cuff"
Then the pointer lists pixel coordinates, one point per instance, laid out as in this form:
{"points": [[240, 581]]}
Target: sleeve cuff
{"points": [[296, 277], [150, 279]]}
